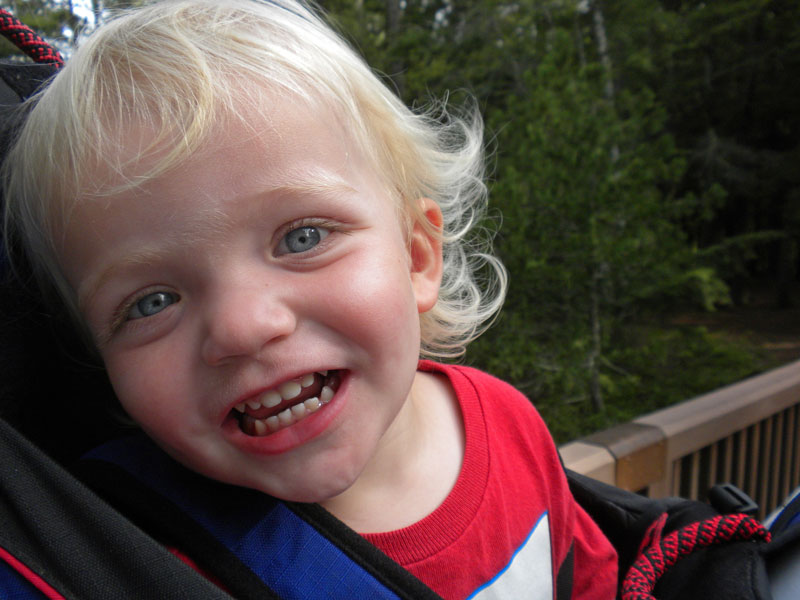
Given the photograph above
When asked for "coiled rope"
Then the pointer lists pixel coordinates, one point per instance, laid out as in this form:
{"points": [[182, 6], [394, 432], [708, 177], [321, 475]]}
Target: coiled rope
{"points": [[27, 40]]}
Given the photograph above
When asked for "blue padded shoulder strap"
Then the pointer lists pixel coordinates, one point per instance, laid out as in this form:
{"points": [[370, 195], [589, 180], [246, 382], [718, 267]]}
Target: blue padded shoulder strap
{"points": [[255, 545]]}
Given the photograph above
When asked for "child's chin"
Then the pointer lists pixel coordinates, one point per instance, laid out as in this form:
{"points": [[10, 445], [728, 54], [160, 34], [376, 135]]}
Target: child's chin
{"points": [[315, 490]]}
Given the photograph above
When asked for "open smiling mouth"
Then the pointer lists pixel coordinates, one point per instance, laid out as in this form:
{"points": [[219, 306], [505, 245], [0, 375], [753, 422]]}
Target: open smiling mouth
{"points": [[290, 402]]}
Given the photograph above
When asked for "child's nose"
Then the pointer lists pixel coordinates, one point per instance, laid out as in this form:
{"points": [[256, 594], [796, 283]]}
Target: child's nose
{"points": [[241, 321]]}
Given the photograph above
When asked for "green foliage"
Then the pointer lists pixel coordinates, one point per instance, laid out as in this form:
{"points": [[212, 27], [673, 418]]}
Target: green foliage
{"points": [[586, 187], [662, 366], [648, 367], [730, 87], [712, 291]]}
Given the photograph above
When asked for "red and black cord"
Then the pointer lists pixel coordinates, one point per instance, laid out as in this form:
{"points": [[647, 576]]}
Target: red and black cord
{"points": [[27, 40], [664, 552]]}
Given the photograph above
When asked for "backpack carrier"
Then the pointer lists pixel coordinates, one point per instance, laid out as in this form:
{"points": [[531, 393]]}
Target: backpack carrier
{"points": [[104, 528]]}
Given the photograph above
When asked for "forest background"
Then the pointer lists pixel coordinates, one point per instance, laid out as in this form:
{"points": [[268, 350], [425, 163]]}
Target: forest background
{"points": [[643, 168]]}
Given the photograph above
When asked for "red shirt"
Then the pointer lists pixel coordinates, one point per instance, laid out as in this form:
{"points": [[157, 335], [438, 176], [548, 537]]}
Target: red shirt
{"points": [[510, 522]]}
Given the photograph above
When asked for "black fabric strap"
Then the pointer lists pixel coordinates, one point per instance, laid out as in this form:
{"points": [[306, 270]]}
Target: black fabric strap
{"points": [[565, 575], [78, 544], [787, 515], [367, 556], [156, 514], [22, 80]]}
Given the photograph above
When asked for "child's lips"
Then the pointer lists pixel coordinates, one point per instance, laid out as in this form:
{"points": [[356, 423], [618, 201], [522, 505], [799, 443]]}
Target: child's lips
{"points": [[275, 409]]}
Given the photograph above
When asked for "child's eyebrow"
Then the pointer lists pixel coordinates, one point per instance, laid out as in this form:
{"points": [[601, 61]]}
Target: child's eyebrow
{"points": [[89, 288], [317, 182]]}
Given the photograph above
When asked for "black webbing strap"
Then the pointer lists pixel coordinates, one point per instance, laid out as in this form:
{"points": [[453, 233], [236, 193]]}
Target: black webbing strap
{"points": [[566, 574], [80, 546], [367, 556], [153, 512]]}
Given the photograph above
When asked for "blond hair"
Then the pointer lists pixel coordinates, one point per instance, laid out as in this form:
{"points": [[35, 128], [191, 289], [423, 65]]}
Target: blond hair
{"points": [[180, 65]]}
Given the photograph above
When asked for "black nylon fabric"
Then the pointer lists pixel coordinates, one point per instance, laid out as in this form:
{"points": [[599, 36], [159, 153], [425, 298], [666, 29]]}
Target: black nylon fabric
{"points": [[17, 83], [565, 576], [22, 80], [623, 517], [41, 357], [156, 514], [733, 571], [76, 542], [727, 571]]}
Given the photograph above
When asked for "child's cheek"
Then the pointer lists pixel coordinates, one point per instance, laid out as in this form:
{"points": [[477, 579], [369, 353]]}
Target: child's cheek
{"points": [[382, 286], [150, 382]]}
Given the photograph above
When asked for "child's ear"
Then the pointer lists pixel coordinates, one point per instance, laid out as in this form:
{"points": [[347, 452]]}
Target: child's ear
{"points": [[425, 248]]}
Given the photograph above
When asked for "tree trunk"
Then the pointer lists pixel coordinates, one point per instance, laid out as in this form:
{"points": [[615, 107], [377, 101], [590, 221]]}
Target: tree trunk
{"points": [[394, 15], [597, 268], [602, 49], [605, 61], [596, 350]]}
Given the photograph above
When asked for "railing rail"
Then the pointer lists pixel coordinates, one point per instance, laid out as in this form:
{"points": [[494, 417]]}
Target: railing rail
{"points": [[745, 433]]}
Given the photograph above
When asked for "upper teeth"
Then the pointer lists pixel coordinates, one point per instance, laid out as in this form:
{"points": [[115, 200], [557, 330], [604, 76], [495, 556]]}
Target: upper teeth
{"points": [[285, 391], [289, 390]]}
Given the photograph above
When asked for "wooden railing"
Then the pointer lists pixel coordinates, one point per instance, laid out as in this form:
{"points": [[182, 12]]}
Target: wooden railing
{"points": [[746, 434]]}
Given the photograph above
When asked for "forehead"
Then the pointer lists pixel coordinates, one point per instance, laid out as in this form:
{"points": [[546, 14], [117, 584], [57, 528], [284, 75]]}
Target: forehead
{"points": [[305, 142], [139, 149], [293, 152]]}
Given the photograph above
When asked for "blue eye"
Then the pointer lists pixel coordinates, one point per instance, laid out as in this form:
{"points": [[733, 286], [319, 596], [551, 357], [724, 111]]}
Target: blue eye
{"points": [[152, 304], [303, 239]]}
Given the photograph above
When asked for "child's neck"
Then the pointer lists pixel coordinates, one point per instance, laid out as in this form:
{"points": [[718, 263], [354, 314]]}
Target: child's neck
{"points": [[416, 466]]}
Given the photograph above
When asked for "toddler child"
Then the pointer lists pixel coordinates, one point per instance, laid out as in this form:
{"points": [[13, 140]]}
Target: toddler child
{"points": [[261, 241]]}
